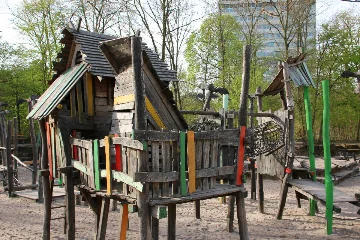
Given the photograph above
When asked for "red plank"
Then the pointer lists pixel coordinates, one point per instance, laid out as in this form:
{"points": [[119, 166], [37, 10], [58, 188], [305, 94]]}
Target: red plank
{"points": [[48, 142], [118, 166], [75, 152], [241, 155]]}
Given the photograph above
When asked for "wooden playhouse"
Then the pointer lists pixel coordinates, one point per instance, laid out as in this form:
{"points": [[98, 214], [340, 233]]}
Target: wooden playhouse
{"points": [[110, 126]]}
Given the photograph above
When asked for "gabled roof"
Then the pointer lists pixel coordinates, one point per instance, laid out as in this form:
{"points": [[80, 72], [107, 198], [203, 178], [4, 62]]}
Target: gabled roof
{"points": [[89, 47], [57, 91], [298, 72], [117, 51]]}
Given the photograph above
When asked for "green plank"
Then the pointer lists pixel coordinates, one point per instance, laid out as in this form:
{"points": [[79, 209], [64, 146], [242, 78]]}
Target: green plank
{"points": [[182, 163], [327, 157], [123, 177], [310, 143], [96, 165], [79, 166]]}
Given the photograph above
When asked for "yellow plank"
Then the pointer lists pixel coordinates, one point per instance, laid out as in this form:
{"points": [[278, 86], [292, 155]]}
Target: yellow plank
{"points": [[191, 161], [154, 114], [108, 165], [90, 94], [124, 99]]}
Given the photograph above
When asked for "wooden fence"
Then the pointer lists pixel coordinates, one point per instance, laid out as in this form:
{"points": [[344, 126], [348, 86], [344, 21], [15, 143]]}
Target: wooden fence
{"points": [[177, 162]]}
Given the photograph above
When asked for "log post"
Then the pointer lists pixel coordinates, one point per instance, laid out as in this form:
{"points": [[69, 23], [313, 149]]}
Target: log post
{"points": [[15, 142], [171, 222], [33, 143], [140, 124], [45, 181], [260, 182], [9, 162], [291, 147]]}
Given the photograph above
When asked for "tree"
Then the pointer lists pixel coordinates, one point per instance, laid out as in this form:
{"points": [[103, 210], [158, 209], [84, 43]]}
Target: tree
{"points": [[105, 16], [41, 21], [209, 61], [338, 49]]}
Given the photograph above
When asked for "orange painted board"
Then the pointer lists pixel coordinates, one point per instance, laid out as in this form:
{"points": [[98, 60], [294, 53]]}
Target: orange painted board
{"points": [[75, 152], [191, 161], [49, 150], [108, 165], [90, 94], [124, 221], [241, 155]]}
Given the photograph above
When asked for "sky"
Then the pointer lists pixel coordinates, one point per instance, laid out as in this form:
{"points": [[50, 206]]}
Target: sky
{"points": [[326, 9]]}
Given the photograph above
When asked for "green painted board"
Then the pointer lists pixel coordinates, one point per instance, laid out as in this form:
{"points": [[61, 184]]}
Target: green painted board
{"points": [[123, 177], [96, 165], [53, 150], [183, 186], [79, 166]]}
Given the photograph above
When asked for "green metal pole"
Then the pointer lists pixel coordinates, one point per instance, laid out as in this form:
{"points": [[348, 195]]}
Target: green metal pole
{"points": [[327, 158], [310, 137]]}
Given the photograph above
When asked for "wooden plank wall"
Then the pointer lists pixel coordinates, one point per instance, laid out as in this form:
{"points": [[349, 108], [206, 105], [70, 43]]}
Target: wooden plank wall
{"points": [[103, 103], [124, 102]]}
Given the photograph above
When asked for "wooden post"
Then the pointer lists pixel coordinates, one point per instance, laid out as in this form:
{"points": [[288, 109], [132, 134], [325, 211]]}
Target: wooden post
{"points": [[171, 222], [243, 113], [33, 143], [241, 214], [9, 162], [3, 134], [291, 147], [140, 124], [327, 158], [46, 181], [253, 178], [101, 233], [69, 186], [223, 151], [15, 141], [260, 182], [230, 214]]}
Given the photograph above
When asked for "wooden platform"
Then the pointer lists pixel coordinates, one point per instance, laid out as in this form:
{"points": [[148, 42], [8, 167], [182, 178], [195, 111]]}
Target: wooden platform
{"points": [[316, 190], [33, 194], [218, 191]]}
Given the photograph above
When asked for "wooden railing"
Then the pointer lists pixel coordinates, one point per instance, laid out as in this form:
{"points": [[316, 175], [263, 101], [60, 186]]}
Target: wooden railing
{"points": [[177, 162]]}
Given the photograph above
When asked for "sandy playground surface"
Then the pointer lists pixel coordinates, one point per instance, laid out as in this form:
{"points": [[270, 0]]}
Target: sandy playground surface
{"points": [[22, 219]]}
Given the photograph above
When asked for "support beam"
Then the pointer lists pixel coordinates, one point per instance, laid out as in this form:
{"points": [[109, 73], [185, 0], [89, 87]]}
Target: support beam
{"points": [[101, 232]]}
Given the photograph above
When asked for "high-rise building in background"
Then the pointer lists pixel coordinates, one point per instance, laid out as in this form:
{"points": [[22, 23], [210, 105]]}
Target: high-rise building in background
{"points": [[251, 11]]}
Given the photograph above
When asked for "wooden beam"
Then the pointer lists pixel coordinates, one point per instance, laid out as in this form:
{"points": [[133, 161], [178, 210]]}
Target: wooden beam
{"points": [[108, 166], [191, 161], [101, 232], [125, 178], [124, 99]]}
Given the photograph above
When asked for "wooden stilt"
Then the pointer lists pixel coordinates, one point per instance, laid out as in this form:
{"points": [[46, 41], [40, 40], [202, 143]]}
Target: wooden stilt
{"points": [[283, 195], [230, 214], [123, 226], [172, 222], [70, 205], [9, 162], [253, 178], [46, 182], [260, 189], [197, 209], [298, 197], [241, 215], [105, 206]]}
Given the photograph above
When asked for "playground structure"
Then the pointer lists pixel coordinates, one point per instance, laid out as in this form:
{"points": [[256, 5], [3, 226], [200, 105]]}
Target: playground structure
{"points": [[279, 127], [116, 129], [10, 158]]}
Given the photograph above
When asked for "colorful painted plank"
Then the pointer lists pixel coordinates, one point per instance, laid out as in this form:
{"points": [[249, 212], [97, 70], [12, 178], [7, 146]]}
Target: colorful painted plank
{"points": [[241, 156], [96, 165], [191, 161], [124, 99], [89, 94], [118, 166], [183, 186], [48, 142], [124, 221], [108, 165], [154, 114]]}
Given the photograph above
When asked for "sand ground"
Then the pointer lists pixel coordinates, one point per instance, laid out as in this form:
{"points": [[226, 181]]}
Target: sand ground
{"points": [[22, 219]]}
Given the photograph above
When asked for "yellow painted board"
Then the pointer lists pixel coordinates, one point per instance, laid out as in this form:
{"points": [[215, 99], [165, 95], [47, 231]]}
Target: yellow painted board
{"points": [[154, 114], [124, 99], [191, 161], [90, 94], [108, 165]]}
